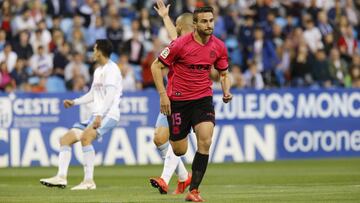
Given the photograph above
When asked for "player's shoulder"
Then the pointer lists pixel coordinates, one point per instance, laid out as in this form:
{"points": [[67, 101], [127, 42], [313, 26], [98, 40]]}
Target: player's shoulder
{"points": [[217, 41], [183, 39], [111, 65]]}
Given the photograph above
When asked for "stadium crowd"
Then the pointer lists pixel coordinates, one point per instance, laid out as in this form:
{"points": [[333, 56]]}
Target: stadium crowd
{"points": [[46, 45]]}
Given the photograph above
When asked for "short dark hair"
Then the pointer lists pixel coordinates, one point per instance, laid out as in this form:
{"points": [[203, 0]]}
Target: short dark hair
{"points": [[205, 9], [105, 46]]}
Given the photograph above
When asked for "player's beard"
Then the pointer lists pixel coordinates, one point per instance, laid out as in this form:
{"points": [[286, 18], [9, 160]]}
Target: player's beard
{"points": [[206, 32]]}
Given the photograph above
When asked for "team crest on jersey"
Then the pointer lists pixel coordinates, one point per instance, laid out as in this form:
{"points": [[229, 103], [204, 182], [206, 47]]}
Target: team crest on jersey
{"points": [[212, 54], [165, 53]]}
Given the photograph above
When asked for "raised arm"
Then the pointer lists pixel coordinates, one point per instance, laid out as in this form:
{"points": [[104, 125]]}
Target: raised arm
{"points": [[159, 83], [163, 12]]}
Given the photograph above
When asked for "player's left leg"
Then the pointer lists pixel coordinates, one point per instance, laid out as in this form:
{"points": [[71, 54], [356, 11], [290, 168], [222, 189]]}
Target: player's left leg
{"points": [[203, 121], [88, 136], [204, 131]]}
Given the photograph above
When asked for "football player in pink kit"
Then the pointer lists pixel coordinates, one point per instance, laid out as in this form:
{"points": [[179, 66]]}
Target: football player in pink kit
{"points": [[172, 163], [188, 98]]}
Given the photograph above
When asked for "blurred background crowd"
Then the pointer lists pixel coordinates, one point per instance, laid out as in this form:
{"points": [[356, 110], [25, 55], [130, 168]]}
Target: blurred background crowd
{"points": [[46, 45]]}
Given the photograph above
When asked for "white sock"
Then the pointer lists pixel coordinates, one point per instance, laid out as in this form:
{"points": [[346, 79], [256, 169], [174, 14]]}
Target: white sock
{"points": [[89, 158], [181, 171], [163, 149], [64, 160], [170, 164]]}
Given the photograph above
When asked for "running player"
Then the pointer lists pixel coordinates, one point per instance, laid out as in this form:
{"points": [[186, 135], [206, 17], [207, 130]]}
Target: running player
{"points": [[105, 93], [187, 101], [161, 137]]}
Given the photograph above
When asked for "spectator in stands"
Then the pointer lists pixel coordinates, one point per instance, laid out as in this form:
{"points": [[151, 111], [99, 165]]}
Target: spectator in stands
{"points": [[289, 27], [267, 25], [283, 68], [323, 24], [20, 74], [6, 82], [135, 50], [57, 40], [36, 41], [96, 31], [246, 37], [37, 10], [338, 68], [23, 22], [41, 63], [76, 67], [351, 13], [260, 10], [219, 28], [78, 42], [329, 43], [55, 23], [312, 37], [79, 84], [237, 78], [61, 59], [300, 67], [336, 12], [264, 56], [2, 39], [253, 78], [320, 69], [145, 24], [56, 7], [355, 76], [22, 48], [128, 75], [347, 43], [8, 56], [313, 10], [148, 80], [115, 33], [5, 18]]}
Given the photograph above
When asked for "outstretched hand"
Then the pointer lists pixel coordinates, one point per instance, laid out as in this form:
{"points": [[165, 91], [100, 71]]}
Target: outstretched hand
{"points": [[161, 9]]}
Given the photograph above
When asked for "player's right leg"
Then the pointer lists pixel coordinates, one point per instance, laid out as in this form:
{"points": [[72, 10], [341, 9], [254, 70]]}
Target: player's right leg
{"points": [[161, 140], [172, 163], [60, 180]]}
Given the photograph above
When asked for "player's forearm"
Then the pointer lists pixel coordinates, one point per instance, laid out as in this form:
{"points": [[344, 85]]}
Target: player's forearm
{"points": [[156, 67], [225, 81], [87, 98], [170, 28]]}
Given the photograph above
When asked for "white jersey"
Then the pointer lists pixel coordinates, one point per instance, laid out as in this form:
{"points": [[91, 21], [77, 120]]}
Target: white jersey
{"points": [[104, 77]]}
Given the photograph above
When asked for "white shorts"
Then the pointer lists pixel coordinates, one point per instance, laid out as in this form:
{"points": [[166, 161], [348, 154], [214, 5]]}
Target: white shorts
{"points": [[107, 124], [162, 121]]}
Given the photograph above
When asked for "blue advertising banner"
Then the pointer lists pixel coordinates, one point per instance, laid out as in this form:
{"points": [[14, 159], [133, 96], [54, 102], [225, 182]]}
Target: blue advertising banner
{"points": [[257, 125]]}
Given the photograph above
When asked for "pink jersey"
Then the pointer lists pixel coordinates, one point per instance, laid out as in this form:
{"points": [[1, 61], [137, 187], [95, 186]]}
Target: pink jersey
{"points": [[189, 66]]}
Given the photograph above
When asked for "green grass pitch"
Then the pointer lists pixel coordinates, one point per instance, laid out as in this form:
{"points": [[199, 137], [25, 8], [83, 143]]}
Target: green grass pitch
{"points": [[327, 180]]}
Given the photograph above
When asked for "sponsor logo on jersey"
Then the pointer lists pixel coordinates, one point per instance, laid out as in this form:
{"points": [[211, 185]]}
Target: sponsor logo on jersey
{"points": [[165, 53]]}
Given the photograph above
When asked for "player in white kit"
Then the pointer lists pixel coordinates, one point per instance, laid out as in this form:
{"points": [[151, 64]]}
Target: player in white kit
{"points": [[105, 93]]}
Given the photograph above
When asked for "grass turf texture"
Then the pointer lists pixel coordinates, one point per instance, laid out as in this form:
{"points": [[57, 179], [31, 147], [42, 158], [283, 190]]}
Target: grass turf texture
{"points": [[328, 180]]}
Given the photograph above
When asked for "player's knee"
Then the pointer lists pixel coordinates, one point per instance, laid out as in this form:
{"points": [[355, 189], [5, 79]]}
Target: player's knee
{"points": [[63, 141], [85, 140], [158, 139], [204, 144], [179, 151]]}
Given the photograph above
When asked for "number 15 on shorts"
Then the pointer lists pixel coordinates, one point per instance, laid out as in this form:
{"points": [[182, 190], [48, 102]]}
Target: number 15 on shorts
{"points": [[176, 122]]}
